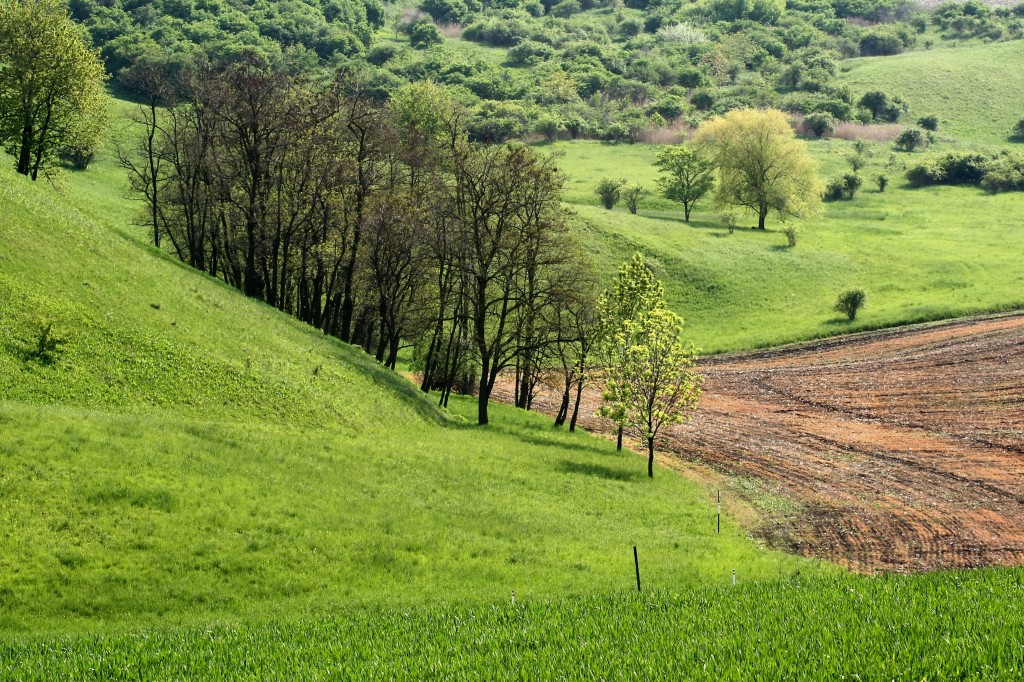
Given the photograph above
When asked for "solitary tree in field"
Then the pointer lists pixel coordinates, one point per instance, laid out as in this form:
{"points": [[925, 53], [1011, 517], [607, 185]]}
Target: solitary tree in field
{"points": [[688, 176], [51, 84], [849, 302], [761, 164], [653, 384]]}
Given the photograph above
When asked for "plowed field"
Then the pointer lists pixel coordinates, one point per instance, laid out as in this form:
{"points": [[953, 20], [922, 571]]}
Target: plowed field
{"points": [[904, 449]]}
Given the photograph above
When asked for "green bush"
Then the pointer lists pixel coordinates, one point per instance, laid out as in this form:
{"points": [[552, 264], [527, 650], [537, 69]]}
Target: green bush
{"points": [[929, 122], [609, 192], [842, 187], [910, 139], [849, 302], [1018, 129], [820, 122]]}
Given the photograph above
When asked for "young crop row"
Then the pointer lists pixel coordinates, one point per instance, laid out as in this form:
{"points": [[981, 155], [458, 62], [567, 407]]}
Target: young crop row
{"points": [[964, 625]]}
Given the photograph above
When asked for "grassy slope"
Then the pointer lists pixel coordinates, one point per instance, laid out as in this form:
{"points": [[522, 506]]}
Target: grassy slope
{"points": [[212, 458], [974, 90], [920, 254]]}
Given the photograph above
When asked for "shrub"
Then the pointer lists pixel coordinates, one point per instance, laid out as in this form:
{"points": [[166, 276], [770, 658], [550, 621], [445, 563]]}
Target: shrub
{"points": [[849, 302], [924, 174], [633, 194], [703, 100], [842, 187], [882, 107], [1018, 131], [820, 122], [930, 122], [791, 232], [910, 139], [609, 192], [48, 346], [424, 34], [1004, 174], [882, 181]]}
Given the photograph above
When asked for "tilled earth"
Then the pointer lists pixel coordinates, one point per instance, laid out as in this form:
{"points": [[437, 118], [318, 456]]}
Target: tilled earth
{"points": [[904, 449]]}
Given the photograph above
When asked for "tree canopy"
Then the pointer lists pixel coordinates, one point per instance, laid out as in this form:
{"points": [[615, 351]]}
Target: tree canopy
{"points": [[51, 85], [761, 164], [688, 176]]}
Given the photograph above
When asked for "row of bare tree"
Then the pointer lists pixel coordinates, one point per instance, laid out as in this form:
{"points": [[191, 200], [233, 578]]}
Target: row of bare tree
{"points": [[378, 223]]}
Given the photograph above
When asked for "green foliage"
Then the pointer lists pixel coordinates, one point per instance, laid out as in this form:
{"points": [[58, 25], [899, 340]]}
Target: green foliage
{"points": [[850, 302], [929, 122], [882, 107], [761, 165], [1018, 131], [1005, 173], [842, 187], [820, 123], [954, 168], [649, 384], [633, 194], [910, 139], [609, 191], [686, 176], [51, 86], [882, 180], [424, 34]]}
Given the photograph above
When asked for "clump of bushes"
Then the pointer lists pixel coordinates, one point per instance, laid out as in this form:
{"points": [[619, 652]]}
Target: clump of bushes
{"points": [[842, 187], [849, 302], [955, 168]]}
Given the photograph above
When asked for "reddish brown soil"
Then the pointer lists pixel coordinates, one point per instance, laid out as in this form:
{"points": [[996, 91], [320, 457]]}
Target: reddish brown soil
{"points": [[903, 448]]}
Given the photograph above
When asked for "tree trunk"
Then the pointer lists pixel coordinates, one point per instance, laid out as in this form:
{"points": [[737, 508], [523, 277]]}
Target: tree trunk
{"points": [[576, 407], [563, 410], [650, 456], [761, 215], [686, 211], [618, 443], [485, 394]]}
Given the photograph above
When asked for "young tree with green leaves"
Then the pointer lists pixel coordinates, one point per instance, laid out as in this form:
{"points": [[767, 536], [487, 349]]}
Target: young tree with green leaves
{"points": [[51, 85], [689, 176], [636, 292], [652, 385]]}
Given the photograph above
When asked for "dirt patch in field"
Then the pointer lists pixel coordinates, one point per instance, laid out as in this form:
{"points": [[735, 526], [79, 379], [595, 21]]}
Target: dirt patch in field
{"points": [[903, 449]]}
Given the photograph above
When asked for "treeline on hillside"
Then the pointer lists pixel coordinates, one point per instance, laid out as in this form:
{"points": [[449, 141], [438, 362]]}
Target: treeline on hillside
{"points": [[315, 30], [377, 224], [579, 68]]}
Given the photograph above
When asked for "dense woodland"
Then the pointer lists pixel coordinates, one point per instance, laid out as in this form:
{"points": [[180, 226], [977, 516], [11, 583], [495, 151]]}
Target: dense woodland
{"points": [[580, 69]]}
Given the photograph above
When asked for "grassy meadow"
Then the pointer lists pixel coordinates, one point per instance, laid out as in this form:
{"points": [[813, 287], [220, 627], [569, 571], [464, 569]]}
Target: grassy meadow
{"points": [[974, 89], [921, 254], [191, 455]]}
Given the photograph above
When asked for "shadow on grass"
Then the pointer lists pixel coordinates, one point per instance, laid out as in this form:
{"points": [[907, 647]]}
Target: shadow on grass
{"points": [[842, 321], [597, 470]]}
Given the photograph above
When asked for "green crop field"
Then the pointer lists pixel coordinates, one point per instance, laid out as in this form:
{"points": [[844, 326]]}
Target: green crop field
{"points": [[975, 90], [940, 626], [921, 254]]}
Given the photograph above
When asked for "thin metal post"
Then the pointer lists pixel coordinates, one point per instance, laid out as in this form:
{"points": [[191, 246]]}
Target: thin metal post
{"points": [[636, 562]]}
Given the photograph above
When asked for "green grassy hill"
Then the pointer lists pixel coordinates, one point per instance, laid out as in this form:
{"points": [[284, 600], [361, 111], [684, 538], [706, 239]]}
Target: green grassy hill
{"points": [[193, 455], [974, 90], [921, 254]]}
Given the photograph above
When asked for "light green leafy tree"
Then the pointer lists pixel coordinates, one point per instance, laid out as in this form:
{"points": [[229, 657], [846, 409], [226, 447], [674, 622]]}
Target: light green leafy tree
{"points": [[688, 176], [652, 385], [636, 291], [51, 85]]}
